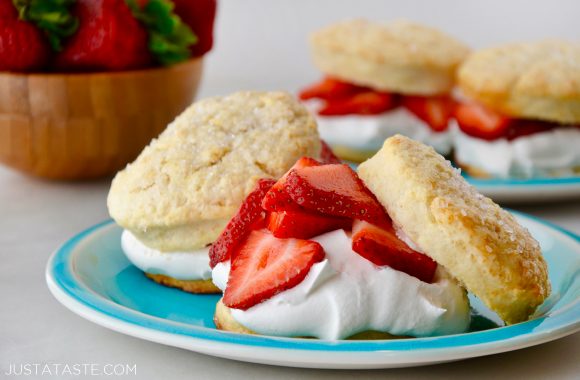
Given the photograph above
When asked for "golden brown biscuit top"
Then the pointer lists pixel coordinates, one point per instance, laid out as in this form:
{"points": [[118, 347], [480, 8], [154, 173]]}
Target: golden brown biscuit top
{"points": [[207, 160], [537, 69], [400, 42], [479, 243]]}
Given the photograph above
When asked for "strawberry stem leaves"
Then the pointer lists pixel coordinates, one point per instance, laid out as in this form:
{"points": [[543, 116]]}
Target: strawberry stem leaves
{"points": [[169, 37], [53, 17]]}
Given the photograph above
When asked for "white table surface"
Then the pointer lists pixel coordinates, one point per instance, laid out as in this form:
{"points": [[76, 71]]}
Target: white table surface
{"points": [[37, 216]]}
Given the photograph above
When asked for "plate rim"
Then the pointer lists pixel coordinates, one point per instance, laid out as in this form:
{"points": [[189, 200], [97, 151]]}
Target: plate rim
{"points": [[518, 182], [383, 352]]}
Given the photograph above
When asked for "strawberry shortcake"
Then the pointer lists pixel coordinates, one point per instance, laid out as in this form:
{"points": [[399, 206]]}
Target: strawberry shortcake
{"points": [[178, 195], [521, 113], [383, 79], [328, 253]]}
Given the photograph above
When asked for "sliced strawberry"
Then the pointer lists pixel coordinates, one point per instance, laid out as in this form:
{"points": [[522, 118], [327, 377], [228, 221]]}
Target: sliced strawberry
{"points": [[302, 224], [249, 215], [433, 110], [329, 88], [521, 127], [327, 156], [363, 103], [479, 121], [336, 190], [265, 266], [382, 247], [277, 199]]}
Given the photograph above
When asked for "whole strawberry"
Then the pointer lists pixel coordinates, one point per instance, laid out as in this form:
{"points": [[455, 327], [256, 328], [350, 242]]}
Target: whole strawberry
{"points": [[109, 38], [199, 15], [7, 10], [23, 47]]}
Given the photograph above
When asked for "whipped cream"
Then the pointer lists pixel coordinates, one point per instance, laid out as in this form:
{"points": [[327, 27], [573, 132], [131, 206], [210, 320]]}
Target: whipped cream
{"points": [[193, 265], [368, 132], [551, 153], [345, 294]]}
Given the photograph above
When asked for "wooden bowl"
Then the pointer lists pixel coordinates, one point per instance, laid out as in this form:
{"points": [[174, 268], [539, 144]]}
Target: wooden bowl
{"points": [[79, 126]]}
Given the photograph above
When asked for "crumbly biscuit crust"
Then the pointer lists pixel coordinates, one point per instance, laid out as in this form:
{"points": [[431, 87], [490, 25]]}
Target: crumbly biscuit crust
{"points": [[539, 80], [191, 286], [399, 57], [479, 243], [184, 187]]}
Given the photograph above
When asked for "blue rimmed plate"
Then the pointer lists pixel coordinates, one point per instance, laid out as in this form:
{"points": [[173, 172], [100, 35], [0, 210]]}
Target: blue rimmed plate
{"points": [[90, 275], [528, 190]]}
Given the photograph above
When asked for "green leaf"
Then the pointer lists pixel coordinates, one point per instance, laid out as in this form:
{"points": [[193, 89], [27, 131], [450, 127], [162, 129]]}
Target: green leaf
{"points": [[169, 37], [53, 17]]}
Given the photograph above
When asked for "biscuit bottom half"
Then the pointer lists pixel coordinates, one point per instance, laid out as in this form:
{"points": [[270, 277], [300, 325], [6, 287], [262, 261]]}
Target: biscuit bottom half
{"points": [[224, 320], [191, 286], [476, 172]]}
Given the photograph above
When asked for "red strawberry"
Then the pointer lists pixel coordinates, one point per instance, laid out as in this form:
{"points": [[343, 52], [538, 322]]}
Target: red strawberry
{"points": [[265, 266], [336, 190], [329, 89], [327, 156], [382, 247], [434, 110], [109, 38], [200, 16], [519, 128], [302, 224], [479, 121], [23, 47], [277, 199], [7, 10], [248, 217], [363, 103]]}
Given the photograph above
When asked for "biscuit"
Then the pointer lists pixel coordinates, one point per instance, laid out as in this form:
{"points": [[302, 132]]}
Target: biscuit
{"points": [[539, 80], [477, 172], [181, 191], [400, 57], [473, 171], [478, 242], [224, 320], [191, 286]]}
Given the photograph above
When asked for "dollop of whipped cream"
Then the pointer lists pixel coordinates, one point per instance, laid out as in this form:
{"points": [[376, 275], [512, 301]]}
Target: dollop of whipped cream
{"points": [[551, 153], [192, 265], [345, 294], [368, 132]]}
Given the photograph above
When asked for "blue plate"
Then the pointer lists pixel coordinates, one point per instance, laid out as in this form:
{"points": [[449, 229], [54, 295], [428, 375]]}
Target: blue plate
{"points": [[90, 275]]}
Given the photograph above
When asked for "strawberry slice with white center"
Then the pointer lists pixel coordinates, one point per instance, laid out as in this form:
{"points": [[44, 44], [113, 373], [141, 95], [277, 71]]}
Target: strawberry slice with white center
{"points": [[264, 266], [248, 217], [302, 224], [277, 199], [479, 121], [433, 110], [382, 247], [336, 190]]}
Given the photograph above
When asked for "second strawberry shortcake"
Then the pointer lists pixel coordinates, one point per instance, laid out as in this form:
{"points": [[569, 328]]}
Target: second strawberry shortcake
{"points": [[318, 254], [380, 80]]}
